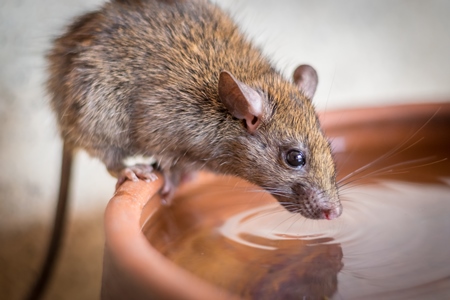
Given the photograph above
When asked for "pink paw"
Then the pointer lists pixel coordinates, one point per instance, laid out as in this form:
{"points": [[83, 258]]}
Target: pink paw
{"points": [[136, 172]]}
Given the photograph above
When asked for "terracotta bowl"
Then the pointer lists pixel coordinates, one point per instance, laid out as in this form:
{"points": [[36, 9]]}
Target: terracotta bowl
{"points": [[134, 267]]}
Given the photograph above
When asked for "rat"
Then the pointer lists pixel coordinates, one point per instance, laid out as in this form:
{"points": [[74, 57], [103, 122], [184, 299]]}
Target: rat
{"points": [[178, 81]]}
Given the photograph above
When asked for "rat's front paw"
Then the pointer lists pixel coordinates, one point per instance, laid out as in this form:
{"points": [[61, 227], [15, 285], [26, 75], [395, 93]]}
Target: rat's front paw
{"points": [[136, 172]]}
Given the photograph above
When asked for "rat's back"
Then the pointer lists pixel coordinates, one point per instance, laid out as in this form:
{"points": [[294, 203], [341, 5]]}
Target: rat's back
{"points": [[109, 59]]}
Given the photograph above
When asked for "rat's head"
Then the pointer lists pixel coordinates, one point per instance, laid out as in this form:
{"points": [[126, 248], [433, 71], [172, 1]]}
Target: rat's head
{"points": [[281, 146]]}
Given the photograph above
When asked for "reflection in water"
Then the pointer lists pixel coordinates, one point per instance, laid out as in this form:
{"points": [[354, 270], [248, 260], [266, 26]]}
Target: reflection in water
{"points": [[287, 266], [391, 241], [310, 272]]}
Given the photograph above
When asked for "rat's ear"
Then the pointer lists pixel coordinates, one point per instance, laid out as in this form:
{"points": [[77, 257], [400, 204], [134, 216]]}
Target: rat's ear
{"points": [[305, 77], [242, 101]]}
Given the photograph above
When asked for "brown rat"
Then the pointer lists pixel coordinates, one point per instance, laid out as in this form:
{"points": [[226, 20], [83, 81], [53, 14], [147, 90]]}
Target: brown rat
{"points": [[178, 81]]}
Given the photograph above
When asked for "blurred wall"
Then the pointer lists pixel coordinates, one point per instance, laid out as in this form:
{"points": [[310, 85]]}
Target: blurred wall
{"points": [[366, 53]]}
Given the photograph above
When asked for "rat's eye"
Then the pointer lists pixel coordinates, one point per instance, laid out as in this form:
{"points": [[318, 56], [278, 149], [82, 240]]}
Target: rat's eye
{"points": [[295, 158]]}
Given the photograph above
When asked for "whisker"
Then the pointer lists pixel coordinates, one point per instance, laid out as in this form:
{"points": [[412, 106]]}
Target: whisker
{"points": [[390, 169], [279, 209], [295, 221], [396, 150], [282, 222]]}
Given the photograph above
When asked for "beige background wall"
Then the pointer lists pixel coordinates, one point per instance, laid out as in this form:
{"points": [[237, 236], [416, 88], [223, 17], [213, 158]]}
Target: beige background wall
{"points": [[366, 53]]}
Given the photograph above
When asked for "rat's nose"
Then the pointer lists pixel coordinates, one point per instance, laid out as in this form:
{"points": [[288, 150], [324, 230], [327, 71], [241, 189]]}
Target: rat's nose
{"points": [[332, 213]]}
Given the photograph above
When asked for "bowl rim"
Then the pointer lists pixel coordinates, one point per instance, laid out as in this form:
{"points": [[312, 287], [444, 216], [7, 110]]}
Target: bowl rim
{"points": [[128, 249]]}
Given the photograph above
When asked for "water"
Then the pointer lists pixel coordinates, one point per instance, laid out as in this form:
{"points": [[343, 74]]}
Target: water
{"points": [[391, 242]]}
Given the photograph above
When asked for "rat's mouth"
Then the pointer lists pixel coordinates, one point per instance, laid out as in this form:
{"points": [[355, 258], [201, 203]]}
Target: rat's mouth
{"points": [[332, 213]]}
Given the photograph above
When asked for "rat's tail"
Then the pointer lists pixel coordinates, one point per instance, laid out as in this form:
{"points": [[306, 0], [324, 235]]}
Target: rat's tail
{"points": [[45, 273]]}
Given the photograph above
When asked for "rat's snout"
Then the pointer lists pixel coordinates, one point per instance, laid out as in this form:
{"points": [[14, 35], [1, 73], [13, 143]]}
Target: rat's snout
{"points": [[312, 203], [322, 206], [312, 208], [331, 212]]}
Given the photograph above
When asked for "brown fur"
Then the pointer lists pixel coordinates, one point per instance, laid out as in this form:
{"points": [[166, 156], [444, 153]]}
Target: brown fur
{"points": [[141, 77]]}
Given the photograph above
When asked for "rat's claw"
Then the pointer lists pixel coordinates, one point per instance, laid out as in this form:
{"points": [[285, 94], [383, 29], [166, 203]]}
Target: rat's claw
{"points": [[136, 172]]}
